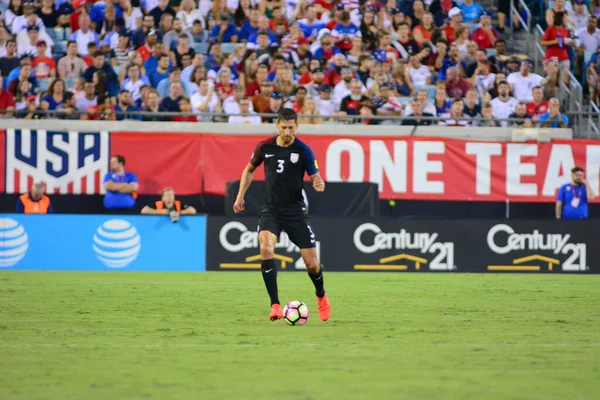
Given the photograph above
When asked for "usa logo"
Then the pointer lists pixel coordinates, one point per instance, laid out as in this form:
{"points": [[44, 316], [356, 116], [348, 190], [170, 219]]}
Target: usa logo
{"points": [[294, 157], [68, 163]]}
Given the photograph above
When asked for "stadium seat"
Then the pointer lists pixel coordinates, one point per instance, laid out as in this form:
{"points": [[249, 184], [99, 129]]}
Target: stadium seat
{"points": [[429, 88], [201, 48], [229, 47], [67, 32], [471, 26], [60, 47], [491, 52], [53, 34], [43, 84], [404, 100]]}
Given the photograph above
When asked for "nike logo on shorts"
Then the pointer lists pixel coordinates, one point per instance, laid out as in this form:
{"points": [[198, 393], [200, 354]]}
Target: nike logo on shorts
{"points": [[268, 270], [269, 155]]}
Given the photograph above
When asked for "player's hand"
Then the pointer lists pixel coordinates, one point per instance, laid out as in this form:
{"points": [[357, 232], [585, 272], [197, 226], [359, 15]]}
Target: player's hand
{"points": [[319, 185], [238, 206]]}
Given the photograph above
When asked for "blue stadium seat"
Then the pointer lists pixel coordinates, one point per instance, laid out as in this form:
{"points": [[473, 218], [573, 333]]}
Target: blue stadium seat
{"points": [[53, 34], [43, 84], [404, 100], [67, 33], [229, 47], [471, 26], [491, 52], [201, 48], [60, 47], [429, 88]]}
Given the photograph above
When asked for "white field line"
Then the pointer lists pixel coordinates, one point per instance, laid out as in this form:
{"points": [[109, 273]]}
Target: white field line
{"points": [[220, 345]]}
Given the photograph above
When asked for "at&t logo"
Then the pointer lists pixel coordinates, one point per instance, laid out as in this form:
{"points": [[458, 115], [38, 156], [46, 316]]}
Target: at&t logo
{"points": [[117, 243], [13, 242]]}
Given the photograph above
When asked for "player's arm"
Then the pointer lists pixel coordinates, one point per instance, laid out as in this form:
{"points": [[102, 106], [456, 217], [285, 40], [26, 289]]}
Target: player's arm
{"points": [[318, 182], [312, 168], [245, 182]]}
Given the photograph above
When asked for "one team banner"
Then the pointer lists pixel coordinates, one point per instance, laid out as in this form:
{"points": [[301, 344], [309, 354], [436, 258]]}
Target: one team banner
{"points": [[403, 168], [382, 244]]}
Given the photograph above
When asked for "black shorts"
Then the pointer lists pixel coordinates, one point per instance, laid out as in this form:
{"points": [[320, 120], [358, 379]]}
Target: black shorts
{"points": [[295, 225]]}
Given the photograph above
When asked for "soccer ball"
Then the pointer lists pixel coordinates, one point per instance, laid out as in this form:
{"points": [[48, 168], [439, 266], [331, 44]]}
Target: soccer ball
{"points": [[295, 313]]}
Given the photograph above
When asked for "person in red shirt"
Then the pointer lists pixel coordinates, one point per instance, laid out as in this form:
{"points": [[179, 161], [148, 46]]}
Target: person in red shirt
{"points": [[101, 111], [7, 101], [79, 6], [556, 40], [185, 107], [485, 36], [324, 6], [277, 18], [89, 59], [455, 15], [147, 49], [298, 102], [43, 67], [225, 86], [455, 85], [253, 88], [538, 106], [334, 76]]}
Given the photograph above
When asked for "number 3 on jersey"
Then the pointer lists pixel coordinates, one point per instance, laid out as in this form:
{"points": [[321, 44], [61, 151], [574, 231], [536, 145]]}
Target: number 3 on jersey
{"points": [[280, 164]]}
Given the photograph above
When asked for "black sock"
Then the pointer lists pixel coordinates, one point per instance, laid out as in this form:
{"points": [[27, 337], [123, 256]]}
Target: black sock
{"points": [[317, 280], [269, 274]]}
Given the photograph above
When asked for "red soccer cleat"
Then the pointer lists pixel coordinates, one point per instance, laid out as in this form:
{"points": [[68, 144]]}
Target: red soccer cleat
{"points": [[276, 312], [324, 308]]}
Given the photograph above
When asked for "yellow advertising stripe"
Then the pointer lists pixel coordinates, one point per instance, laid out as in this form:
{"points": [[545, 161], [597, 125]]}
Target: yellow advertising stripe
{"points": [[536, 257], [514, 268], [239, 266], [377, 267], [403, 256]]}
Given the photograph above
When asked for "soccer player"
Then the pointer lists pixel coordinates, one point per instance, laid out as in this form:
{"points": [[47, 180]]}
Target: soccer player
{"points": [[286, 158]]}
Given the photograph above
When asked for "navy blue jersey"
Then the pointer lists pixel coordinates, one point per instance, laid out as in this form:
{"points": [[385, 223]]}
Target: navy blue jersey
{"points": [[284, 172]]}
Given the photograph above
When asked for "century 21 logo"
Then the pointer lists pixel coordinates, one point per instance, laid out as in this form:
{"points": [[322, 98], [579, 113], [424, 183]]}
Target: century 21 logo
{"points": [[502, 239], [423, 242]]}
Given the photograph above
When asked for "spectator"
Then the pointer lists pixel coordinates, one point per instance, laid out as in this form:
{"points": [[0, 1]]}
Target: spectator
{"points": [[523, 118], [172, 35], [350, 103], [124, 105], [7, 101], [485, 36], [71, 66], [185, 107], [557, 12], [102, 111], [416, 111], [31, 110], [172, 101], [90, 99], [456, 116], [386, 52], [55, 96], [20, 22], [140, 35], [163, 8], [224, 31], [365, 110], [231, 104], [85, 35], [580, 17], [334, 76], [482, 80], [132, 15], [43, 66], [317, 79], [262, 101], [538, 106], [418, 74], [263, 26], [189, 73], [205, 101], [342, 89], [472, 107], [556, 40], [30, 46], [487, 117], [426, 107], [422, 32], [503, 105], [250, 26], [165, 26], [441, 9], [169, 206], [310, 25], [153, 107], [161, 72], [99, 64], [553, 117], [111, 26], [297, 103], [593, 78], [456, 86], [246, 116], [327, 49], [199, 35], [572, 198], [225, 86], [385, 103], [69, 109], [121, 186], [440, 101], [24, 78], [10, 60], [500, 59], [324, 103], [182, 48], [152, 63], [588, 39], [164, 85], [405, 44], [146, 50], [134, 82], [522, 82], [35, 201], [472, 11], [188, 13]]}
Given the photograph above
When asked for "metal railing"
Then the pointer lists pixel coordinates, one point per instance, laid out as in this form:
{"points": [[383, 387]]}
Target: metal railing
{"points": [[539, 52], [593, 123], [526, 25]]}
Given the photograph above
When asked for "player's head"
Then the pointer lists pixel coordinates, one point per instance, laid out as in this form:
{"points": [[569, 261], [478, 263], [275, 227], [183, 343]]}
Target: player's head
{"points": [[287, 122]]}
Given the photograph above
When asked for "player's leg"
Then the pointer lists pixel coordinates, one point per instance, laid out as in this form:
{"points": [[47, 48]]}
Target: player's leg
{"points": [[301, 234], [268, 231]]}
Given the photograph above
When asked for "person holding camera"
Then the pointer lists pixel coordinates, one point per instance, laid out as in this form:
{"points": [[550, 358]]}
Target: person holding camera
{"points": [[169, 206]]}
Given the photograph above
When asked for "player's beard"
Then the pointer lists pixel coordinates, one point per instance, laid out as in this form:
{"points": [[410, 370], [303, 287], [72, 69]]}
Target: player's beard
{"points": [[286, 139]]}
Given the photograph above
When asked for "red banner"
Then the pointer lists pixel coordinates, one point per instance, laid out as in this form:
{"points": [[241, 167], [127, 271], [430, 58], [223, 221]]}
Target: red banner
{"points": [[404, 168]]}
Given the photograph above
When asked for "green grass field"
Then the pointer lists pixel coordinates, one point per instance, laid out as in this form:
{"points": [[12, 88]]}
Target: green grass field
{"points": [[206, 336]]}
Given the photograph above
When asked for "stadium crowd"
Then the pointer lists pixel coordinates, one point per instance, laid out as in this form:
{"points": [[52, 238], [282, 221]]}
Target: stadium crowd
{"points": [[109, 59]]}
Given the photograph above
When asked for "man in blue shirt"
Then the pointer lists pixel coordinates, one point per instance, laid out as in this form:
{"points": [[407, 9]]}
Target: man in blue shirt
{"points": [[553, 117], [572, 198], [471, 11], [251, 26], [224, 31], [125, 104], [121, 186], [310, 25]]}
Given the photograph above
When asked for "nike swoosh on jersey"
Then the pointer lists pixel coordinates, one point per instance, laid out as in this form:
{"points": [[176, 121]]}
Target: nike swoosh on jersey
{"points": [[269, 155], [268, 270]]}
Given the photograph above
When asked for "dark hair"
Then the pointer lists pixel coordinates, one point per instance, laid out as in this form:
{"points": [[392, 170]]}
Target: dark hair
{"points": [[457, 100], [101, 85], [503, 83], [500, 41], [71, 42], [68, 96], [577, 169], [301, 88], [120, 159], [162, 56], [287, 114], [98, 53]]}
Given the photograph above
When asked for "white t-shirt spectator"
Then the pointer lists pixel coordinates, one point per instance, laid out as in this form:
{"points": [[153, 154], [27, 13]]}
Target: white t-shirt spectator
{"points": [[484, 83], [20, 24], [522, 85], [188, 18], [197, 100], [231, 106], [419, 76], [429, 109], [502, 109], [83, 39], [134, 87], [589, 42], [83, 103], [131, 20], [246, 120], [325, 107], [450, 121], [340, 91], [32, 50]]}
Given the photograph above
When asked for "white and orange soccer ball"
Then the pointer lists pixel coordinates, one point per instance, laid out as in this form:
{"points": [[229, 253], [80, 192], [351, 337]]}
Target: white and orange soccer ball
{"points": [[295, 313]]}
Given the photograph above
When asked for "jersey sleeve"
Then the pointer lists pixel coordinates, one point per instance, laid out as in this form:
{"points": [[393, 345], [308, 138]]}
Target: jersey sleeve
{"points": [[257, 157], [311, 162], [561, 194], [107, 177]]}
